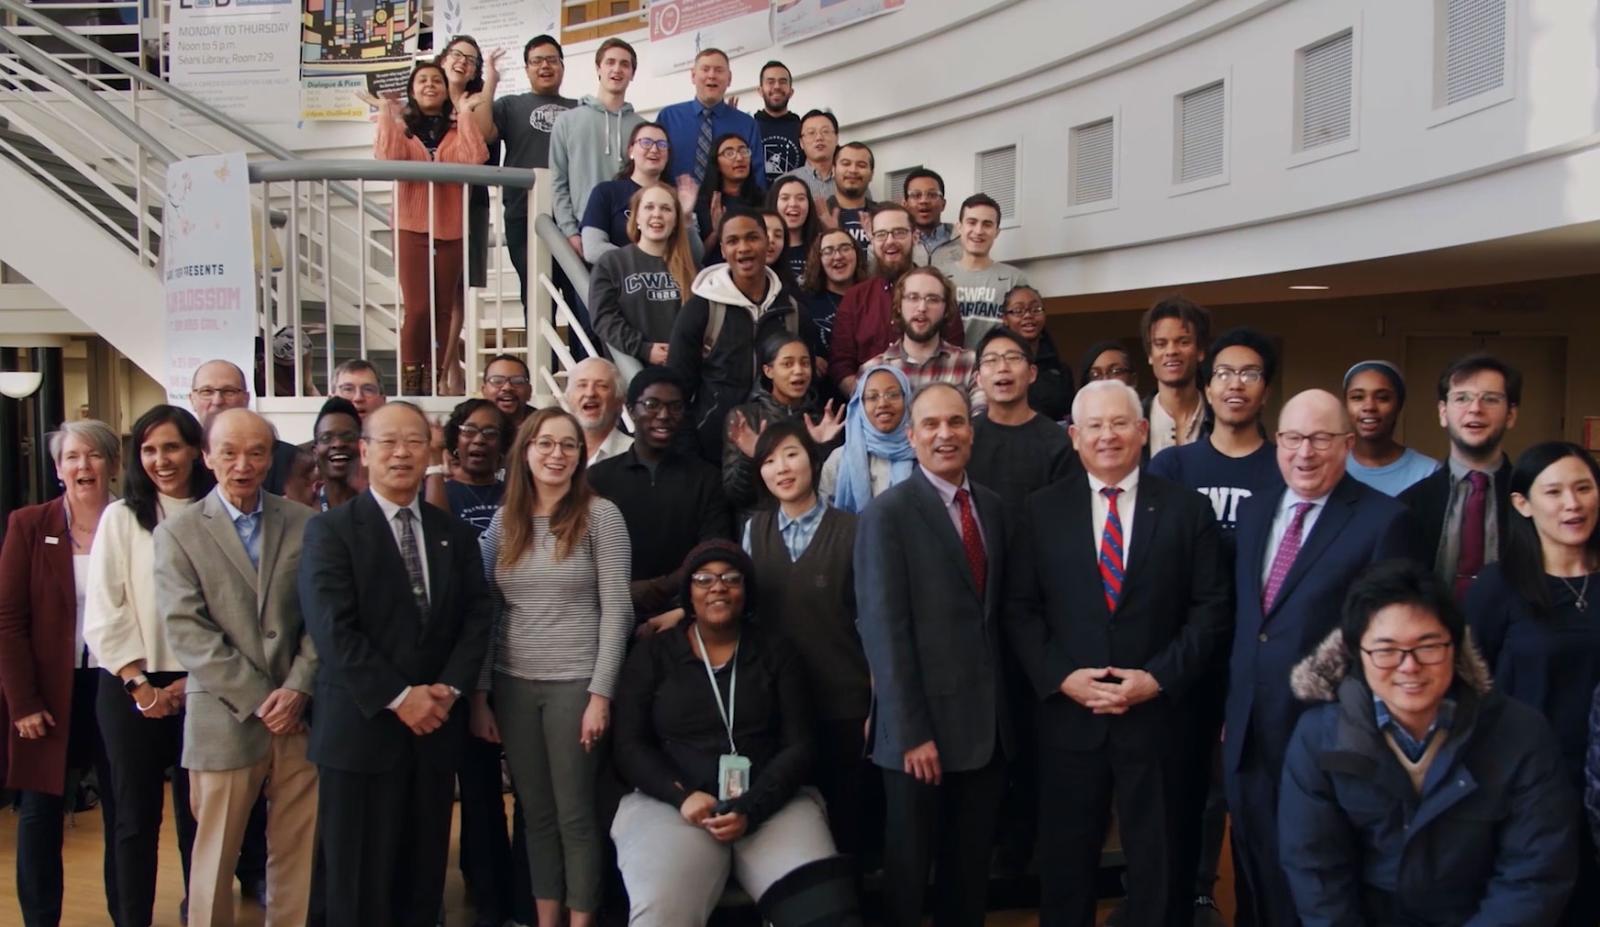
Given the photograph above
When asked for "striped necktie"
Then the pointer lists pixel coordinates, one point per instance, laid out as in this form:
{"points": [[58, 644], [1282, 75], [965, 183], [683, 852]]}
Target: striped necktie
{"points": [[1111, 550], [702, 147]]}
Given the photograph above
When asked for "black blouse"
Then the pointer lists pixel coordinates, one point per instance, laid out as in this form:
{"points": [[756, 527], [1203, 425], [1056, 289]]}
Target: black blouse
{"points": [[669, 734]]}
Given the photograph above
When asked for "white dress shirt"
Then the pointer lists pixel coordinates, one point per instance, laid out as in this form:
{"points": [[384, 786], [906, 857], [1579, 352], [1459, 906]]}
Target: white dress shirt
{"points": [[947, 495], [1100, 509], [615, 443], [1280, 526]]}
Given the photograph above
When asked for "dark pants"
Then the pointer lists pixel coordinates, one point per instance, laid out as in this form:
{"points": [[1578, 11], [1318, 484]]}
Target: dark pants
{"points": [[948, 827], [42, 815], [1202, 808], [140, 751], [851, 787], [1074, 814], [517, 245], [1263, 896], [494, 868], [385, 841], [1019, 816]]}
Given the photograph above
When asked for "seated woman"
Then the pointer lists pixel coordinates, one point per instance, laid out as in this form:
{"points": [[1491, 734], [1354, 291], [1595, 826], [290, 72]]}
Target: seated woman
{"points": [[786, 365], [1420, 796], [608, 217], [805, 577], [636, 291], [714, 730], [877, 451]]}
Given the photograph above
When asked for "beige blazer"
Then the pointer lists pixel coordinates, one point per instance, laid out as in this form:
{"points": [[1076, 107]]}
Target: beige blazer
{"points": [[239, 633]]}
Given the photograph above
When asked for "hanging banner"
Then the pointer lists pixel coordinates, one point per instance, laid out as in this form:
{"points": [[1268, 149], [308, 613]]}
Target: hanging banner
{"points": [[350, 46], [208, 268], [498, 24], [239, 56], [680, 28], [797, 19]]}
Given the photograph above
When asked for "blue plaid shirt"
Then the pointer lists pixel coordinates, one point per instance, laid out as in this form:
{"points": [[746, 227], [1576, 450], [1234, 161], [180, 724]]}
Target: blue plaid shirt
{"points": [[1411, 746], [796, 532]]}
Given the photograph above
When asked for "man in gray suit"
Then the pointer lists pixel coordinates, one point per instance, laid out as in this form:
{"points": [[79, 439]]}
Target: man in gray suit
{"points": [[928, 561], [226, 572]]}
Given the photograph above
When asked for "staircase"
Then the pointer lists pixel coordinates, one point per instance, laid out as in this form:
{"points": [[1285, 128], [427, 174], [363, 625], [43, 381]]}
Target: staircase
{"points": [[91, 199]]}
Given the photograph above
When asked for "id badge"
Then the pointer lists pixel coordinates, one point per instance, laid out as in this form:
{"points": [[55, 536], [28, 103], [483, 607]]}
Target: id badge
{"points": [[733, 776]]}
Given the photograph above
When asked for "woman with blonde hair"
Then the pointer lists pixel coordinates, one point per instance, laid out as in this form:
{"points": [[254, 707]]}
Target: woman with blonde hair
{"points": [[559, 559], [636, 291]]}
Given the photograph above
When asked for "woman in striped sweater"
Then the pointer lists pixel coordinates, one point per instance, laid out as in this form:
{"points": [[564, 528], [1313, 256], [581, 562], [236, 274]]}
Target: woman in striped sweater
{"points": [[559, 559]]}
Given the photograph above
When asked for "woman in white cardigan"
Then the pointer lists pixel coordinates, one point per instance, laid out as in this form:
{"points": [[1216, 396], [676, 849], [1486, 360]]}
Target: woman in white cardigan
{"points": [[140, 702]]}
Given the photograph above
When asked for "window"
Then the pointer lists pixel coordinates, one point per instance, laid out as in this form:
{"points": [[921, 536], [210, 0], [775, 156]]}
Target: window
{"points": [[1091, 163], [997, 176], [1202, 134], [1472, 56], [582, 20], [894, 186], [1325, 92]]}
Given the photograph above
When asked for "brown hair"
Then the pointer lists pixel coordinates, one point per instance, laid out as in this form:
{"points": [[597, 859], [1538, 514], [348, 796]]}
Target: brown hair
{"points": [[944, 284], [816, 279], [680, 260], [570, 520]]}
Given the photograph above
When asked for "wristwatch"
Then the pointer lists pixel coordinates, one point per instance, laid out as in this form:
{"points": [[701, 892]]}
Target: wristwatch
{"points": [[135, 682]]}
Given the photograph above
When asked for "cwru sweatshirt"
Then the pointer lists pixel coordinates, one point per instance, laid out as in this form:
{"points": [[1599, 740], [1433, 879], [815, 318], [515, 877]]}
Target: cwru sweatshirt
{"points": [[634, 300]]}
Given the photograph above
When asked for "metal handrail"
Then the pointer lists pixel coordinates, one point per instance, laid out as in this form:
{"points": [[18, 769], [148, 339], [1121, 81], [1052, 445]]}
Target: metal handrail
{"points": [[380, 169]]}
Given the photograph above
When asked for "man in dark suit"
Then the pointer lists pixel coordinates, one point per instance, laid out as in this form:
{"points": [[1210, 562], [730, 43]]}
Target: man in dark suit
{"points": [[1119, 603], [1298, 550], [395, 600], [1460, 513], [929, 584]]}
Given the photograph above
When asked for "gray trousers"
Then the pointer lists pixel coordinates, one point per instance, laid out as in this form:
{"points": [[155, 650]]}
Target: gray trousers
{"points": [[676, 872], [555, 778]]}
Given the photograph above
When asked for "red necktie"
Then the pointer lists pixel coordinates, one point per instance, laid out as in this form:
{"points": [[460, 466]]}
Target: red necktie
{"points": [[1283, 560], [1470, 561], [972, 542], [1111, 550]]}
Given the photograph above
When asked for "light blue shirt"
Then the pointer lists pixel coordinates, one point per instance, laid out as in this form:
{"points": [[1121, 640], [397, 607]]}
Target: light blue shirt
{"points": [[1392, 479], [797, 533], [247, 526]]}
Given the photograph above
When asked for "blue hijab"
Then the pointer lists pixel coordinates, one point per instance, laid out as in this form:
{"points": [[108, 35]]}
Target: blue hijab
{"points": [[862, 440]]}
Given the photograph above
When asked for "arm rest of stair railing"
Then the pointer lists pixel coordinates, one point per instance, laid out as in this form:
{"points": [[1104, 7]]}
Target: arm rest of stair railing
{"points": [[577, 272], [378, 169]]}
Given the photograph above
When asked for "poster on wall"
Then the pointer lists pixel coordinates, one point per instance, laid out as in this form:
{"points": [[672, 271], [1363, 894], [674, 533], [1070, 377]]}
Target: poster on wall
{"points": [[493, 24], [239, 56], [208, 268], [350, 46], [797, 19], [680, 28]]}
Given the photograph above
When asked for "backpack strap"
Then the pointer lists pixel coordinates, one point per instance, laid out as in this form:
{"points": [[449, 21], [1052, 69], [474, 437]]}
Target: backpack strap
{"points": [[716, 314]]}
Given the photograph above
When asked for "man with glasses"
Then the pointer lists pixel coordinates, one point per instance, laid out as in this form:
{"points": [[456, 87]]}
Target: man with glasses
{"points": [[671, 500], [865, 323], [594, 396], [524, 122], [218, 386], [779, 128], [923, 300], [981, 282], [694, 125], [923, 194], [1235, 462], [1299, 547], [819, 141], [1461, 513], [509, 385], [850, 203], [1119, 603], [1051, 392], [359, 381]]}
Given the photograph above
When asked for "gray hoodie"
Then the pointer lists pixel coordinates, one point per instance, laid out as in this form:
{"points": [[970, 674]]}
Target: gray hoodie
{"points": [[587, 145]]}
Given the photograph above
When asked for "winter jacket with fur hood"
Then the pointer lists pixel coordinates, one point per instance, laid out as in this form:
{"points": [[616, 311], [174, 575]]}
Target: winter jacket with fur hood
{"points": [[1491, 839]]}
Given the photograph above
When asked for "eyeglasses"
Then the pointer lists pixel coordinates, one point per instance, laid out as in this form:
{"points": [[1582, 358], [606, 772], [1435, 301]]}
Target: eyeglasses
{"points": [[737, 154], [471, 432], [254, 455], [1321, 440], [922, 195], [338, 437], [819, 133], [896, 234], [1008, 358], [348, 390], [567, 446], [656, 144], [500, 379], [225, 393], [389, 445], [1025, 312], [1107, 373], [1463, 399], [832, 251], [873, 397], [461, 55], [542, 60], [732, 579], [1247, 375], [652, 406], [1425, 655], [922, 299]]}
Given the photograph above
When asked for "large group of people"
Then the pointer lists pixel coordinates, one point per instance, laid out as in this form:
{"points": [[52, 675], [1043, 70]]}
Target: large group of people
{"points": [[813, 608]]}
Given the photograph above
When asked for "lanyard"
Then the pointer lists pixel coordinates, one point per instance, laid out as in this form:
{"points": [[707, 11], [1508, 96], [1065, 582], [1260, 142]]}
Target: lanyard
{"points": [[733, 683]]}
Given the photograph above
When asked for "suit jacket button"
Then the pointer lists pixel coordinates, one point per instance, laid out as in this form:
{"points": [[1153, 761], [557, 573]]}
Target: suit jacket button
{"points": [[271, 635], [1262, 638]]}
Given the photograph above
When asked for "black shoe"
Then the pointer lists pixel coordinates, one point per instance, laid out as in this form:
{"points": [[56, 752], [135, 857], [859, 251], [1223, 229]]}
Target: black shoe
{"points": [[254, 888]]}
